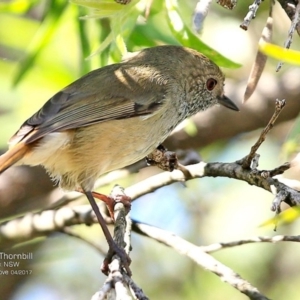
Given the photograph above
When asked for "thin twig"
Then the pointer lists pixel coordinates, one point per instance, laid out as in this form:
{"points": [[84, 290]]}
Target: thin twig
{"points": [[246, 162], [276, 171], [200, 13], [294, 24], [251, 14], [289, 6], [260, 239]]}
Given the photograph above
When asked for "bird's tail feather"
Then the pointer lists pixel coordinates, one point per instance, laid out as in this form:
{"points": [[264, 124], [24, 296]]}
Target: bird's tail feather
{"points": [[12, 156]]}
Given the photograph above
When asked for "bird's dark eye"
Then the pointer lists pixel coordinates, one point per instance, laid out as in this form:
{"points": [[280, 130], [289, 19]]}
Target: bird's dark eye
{"points": [[211, 83]]}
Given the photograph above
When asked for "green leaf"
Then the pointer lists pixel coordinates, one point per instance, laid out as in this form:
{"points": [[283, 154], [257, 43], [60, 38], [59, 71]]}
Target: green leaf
{"points": [[17, 6], [155, 31], [84, 43], [188, 39], [102, 5], [122, 22], [42, 37], [106, 9]]}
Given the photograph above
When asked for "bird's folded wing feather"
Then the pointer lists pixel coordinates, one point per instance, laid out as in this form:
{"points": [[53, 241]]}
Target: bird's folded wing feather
{"points": [[80, 116], [69, 109]]}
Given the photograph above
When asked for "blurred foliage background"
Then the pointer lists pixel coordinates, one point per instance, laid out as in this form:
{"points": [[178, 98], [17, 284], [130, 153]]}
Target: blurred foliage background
{"points": [[44, 46]]}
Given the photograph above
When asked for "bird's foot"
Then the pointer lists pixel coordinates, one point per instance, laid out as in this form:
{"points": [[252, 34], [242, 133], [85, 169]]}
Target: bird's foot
{"points": [[113, 250], [114, 246], [111, 201], [115, 197], [162, 158]]}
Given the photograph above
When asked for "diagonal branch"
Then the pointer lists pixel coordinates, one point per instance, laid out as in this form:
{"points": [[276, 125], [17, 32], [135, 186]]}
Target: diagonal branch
{"points": [[201, 258]]}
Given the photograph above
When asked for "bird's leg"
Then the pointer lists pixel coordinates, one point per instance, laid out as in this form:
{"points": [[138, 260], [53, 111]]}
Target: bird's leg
{"points": [[113, 247], [162, 158], [111, 201]]}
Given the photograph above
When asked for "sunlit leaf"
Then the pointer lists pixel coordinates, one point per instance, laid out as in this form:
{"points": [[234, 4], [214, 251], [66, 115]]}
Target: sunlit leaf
{"points": [[16, 7], [108, 40], [286, 217], [10, 35], [84, 43], [42, 37], [121, 44], [159, 34], [106, 9], [280, 53], [109, 6], [122, 21]]}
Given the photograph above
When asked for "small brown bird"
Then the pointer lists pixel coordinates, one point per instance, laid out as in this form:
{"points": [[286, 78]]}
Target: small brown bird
{"points": [[115, 116]]}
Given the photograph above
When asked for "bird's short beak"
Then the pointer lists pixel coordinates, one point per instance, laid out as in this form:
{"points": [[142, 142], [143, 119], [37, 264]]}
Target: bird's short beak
{"points": [[225, 101]]}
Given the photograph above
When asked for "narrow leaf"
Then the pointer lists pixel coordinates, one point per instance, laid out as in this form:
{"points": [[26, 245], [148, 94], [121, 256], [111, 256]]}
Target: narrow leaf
{"points": [[42, 37], [286, 55], [260, 61]]}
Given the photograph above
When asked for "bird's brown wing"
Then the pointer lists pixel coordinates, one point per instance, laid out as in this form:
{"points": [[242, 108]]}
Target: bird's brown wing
{"points": [[69, 109]]}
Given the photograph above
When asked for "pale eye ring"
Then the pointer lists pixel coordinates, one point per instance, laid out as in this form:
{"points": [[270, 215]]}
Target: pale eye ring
{"points": [[211, 83]]}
